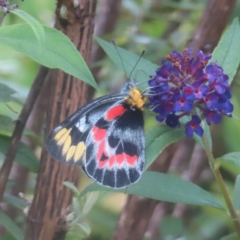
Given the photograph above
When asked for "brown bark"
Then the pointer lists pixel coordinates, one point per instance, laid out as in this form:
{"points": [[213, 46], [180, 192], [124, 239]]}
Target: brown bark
{"points": [[67, 94], [138, 211], [212, 25]]}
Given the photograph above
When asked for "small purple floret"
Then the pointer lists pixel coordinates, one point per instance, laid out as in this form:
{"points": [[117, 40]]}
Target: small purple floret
{"points": [[194, 126], [212, 116]]}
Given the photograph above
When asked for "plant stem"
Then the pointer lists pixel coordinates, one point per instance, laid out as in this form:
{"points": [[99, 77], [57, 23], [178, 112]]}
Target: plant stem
{"points": [[221, 184]]}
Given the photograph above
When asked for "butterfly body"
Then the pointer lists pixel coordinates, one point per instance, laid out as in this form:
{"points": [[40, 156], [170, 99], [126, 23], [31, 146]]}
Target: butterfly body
{"points": [[105, 137]]}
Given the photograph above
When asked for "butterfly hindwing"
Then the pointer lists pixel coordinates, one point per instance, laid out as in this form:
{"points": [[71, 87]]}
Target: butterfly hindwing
{"points": [[67, 142], [115, 147]]}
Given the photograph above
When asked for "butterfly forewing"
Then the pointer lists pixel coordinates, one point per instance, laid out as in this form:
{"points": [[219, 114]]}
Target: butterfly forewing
{"points": [[67, 142], [115, 147]]}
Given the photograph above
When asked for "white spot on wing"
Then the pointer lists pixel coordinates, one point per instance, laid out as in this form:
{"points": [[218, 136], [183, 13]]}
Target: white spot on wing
{"points": [[81, 124], [57, 129]]}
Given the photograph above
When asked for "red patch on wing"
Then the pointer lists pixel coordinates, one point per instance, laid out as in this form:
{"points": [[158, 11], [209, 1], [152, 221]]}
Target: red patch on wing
{"points": [[100, 150], [115, 112], [131, 160], [98, 133], [118, 159], [101, 164]]}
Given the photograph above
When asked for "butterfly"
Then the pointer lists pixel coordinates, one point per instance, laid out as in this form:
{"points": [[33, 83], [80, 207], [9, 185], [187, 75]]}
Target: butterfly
{"points": [[104, 137]]}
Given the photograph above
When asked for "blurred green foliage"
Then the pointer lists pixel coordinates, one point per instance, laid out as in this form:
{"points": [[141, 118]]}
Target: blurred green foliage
{"points": [[157, 27]]}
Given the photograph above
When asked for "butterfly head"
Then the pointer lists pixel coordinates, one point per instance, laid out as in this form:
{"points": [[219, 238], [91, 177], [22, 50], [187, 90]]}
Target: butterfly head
{"points": [[133, 96]]}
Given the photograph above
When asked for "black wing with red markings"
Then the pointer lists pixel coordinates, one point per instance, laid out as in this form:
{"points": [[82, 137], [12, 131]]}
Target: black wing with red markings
{"points": [[67, 142], [105, 137], [115, 147]]}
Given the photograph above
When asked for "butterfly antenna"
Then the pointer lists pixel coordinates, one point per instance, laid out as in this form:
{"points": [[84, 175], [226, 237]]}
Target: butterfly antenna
{"points": [[122, 60], [119, 56], [143, 52]]}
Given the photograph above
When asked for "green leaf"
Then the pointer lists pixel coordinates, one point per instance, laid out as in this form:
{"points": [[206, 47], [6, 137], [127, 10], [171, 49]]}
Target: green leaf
{"points": [[11, 226], [236, 197], [85, 227], [232, 236], [164, 187], [6, 93], [25, 155], [57, 51], [232, 158], [129, 60], [7, 237], [158, 138], [90, 201], [6, 123], [14, 201], [33, 23], [226, 54], [75, 207], [71, 186]]}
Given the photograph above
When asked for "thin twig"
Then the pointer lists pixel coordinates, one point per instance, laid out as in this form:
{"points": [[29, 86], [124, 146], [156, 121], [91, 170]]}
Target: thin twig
{"points": [[18, 130], [219, 179]]}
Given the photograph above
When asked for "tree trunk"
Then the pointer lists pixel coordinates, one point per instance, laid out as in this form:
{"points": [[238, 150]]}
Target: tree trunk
{"points": [[67, 94], [212, 24]]}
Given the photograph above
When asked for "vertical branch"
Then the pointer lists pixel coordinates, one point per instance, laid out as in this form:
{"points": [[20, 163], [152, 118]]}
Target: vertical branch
{"points": [[46, 219], [35, 122], [214, 20], [18, 130]]}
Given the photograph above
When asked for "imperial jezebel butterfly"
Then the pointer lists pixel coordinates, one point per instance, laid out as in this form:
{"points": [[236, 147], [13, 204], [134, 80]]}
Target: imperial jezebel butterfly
{"points": [[105, 137]]}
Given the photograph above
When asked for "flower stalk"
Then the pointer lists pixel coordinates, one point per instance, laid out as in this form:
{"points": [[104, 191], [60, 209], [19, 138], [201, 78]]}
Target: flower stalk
{"points": [[215, 168]]}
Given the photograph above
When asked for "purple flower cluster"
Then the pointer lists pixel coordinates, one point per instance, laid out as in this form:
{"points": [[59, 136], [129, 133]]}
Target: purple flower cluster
{"points": [[187, 86]]}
